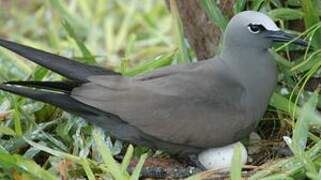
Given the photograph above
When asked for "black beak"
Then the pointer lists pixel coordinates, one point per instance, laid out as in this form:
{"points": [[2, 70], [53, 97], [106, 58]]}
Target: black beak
{"points": [[280, 36]]}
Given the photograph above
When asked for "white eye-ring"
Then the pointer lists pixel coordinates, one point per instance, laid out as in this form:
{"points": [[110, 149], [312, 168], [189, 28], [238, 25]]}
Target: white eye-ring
{"points": [[255, 29]]}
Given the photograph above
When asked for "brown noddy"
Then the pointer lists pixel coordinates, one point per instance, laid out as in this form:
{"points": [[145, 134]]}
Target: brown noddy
{"points": [[182, 109]]}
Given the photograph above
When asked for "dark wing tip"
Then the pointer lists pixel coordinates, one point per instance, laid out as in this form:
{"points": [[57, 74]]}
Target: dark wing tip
{"points": [[66, 67], [9, 88]]}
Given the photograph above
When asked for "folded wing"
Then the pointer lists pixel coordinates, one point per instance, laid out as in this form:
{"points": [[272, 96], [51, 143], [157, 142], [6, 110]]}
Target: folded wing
{"points": [[186, 104]]}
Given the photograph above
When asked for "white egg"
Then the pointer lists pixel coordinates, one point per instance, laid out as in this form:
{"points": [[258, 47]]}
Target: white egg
{"points": [[221, 157]]}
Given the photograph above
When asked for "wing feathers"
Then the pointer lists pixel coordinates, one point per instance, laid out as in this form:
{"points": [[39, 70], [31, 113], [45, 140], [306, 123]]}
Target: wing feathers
{"points": [[61, 86], [66, 67], [58, 99]]}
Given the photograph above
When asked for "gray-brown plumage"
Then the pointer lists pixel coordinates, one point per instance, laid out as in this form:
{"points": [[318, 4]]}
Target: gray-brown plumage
{"points": [[182, 108]]}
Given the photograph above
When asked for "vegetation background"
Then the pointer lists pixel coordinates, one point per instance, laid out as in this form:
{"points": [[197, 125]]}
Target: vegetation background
{"points": [[136, 36]]}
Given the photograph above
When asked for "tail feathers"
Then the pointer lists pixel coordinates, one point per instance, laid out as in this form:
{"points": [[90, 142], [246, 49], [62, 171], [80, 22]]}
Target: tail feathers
{"points": [[60, 100], [67, 103], [61, 86], [66, 67]]}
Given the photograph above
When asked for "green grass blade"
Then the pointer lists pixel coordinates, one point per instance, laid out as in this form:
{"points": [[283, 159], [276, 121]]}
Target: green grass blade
{"points": [[239, 6], [257, 4], [183, 54], [39, 73], [288, 167], [107, 156], [109, 30], [300, 132], [85, 8], [61, 8], [280, 59], [17, 119], [84, 50], [88, 171], [123, 31], [214, 13], [21, 164], [286, 14], [126, 159], [307, 116], [150, 65], [138, 168], [282, 103], [311, 18], [308, 63], [7, 131], [236, 168], [52, 151]]}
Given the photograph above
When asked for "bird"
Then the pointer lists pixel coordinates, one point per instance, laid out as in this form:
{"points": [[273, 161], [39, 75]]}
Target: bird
{"points": [[181, 109]]}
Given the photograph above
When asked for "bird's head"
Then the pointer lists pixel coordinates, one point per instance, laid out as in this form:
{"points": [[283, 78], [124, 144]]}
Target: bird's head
{"points": [[255, 29]]}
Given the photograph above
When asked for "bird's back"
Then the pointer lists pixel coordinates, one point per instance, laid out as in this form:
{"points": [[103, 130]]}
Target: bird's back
{"points": [[193, 104]]}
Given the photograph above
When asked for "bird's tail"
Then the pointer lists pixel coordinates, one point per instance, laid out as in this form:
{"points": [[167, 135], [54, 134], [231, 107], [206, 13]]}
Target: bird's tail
{"points": [[68, 68], [59, 86], [61, 100], [56, 92]]}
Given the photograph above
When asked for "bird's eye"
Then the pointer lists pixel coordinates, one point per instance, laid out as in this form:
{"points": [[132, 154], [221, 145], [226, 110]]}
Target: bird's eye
{"points": [[254, 28]]}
